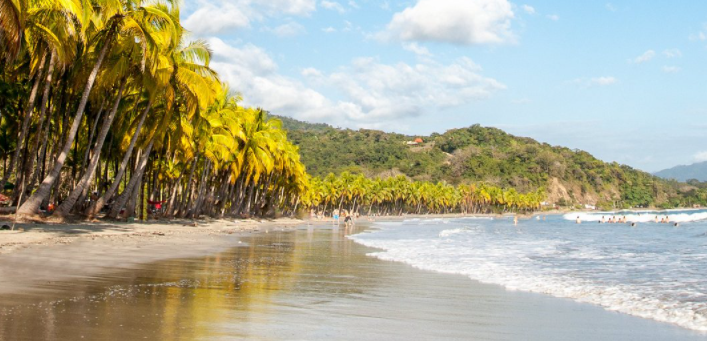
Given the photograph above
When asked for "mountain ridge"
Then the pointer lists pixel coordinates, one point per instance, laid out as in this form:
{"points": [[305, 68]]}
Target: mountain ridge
{"points": [[683, 173], [477, 154]]}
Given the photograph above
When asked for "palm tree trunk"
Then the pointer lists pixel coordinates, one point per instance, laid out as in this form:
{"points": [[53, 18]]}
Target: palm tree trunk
{"points": [[81, 187], [90, 136], [40, 125], [31, 206], [25, 126], [123, 198], [96, 206], [194, 211], [186, 195]]}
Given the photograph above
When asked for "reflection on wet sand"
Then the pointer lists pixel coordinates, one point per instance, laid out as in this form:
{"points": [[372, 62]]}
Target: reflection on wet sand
{"points": [[183, 298], [311, 284]]}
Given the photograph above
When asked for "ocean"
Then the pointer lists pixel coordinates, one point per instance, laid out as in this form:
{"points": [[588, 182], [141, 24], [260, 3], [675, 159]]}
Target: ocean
{"points": [[651, 270]]}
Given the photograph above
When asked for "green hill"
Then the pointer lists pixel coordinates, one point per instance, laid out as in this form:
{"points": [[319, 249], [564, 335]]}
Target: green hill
{"points": [[480, 154]]}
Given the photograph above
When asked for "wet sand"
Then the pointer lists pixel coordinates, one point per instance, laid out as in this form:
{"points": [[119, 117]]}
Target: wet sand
{"points": [[308, 284]]}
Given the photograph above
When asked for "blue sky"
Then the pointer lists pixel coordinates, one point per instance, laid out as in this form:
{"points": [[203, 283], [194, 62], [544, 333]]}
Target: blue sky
{"points": [[624, 80]]}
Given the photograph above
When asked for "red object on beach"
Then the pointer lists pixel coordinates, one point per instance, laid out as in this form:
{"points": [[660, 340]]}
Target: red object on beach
{"points": [[157, 204], [4, 199]]}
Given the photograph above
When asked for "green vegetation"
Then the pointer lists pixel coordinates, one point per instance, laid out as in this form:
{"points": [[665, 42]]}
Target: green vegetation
{"points": [[489, 156], [398, 195], [106, 103]]}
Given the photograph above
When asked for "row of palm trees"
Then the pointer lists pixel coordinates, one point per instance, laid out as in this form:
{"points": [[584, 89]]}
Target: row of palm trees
{"points": [[105, 104], [399, 195]]}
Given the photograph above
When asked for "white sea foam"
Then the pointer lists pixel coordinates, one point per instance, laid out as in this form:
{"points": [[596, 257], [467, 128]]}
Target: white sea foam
{"points": [[652, 273], [675, 216]]}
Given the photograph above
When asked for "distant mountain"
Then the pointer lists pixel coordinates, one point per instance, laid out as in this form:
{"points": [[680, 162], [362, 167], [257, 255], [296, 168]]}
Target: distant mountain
{"points": [[683, 173], [481, 154]]}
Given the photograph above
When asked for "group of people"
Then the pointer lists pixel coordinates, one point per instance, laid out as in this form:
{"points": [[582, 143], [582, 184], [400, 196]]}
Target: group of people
{"points": [[612, 220], [623, 220], [336, 215]]}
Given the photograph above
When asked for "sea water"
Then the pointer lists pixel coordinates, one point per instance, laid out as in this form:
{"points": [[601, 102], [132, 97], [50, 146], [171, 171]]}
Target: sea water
{"points": [[651, 270]]}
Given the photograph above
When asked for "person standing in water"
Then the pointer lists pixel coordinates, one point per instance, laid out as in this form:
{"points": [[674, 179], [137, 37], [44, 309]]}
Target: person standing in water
{"points": [[579, 221], [515, 220]]}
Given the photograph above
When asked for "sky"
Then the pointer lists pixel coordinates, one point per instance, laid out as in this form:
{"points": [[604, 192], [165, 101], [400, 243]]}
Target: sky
{"points": [[623, 80]]}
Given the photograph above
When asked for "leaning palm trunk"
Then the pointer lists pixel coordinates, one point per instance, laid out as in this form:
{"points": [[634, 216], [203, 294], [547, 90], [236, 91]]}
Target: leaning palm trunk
{"points": [[96, 206], [25, 126], [31, 206], [187, 192], [87, 153], [40, 125], [128, 191], [81, 187], [196, 210]]}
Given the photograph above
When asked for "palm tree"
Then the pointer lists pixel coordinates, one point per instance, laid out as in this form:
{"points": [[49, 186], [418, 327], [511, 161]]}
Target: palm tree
{"points": [[115, 18]]}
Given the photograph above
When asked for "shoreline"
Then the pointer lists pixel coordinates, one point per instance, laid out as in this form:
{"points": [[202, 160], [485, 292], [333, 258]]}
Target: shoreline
{"points": [[310, 283]]}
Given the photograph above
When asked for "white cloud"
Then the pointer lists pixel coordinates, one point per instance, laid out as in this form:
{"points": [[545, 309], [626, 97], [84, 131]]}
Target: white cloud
{"points": [[290, 29], [553, 17], [603, 81], [210, 19], [646, 56], [250, 70], [452, 21], [701, 36], [529, 9], [333, 5], [365, 93], [353, 4], [701, 156], [218, 16], [672, 53], [311, 72], [671, 69], [329, 30], [611, 7], [372, 91], [595, 81], [292, 7], [417, 49]]}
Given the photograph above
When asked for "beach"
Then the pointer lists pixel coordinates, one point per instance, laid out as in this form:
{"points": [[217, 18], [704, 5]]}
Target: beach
{"points": [[309, 282]]}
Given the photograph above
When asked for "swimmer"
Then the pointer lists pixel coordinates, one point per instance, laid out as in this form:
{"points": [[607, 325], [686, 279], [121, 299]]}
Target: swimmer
{"points": [[656, 219], [633, 224], [602, 220], [578, 220], [676, 225]]}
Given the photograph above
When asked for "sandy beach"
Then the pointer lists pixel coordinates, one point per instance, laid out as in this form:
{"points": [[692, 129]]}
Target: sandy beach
{"points": [[308, 283], [45, 253]]}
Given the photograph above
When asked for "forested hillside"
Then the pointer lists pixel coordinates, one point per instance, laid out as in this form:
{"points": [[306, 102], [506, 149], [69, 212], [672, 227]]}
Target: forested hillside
{"points": [[486, 155]]}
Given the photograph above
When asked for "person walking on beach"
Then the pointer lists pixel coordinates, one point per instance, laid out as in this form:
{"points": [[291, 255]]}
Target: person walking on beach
{"points": [[348, 221]]}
